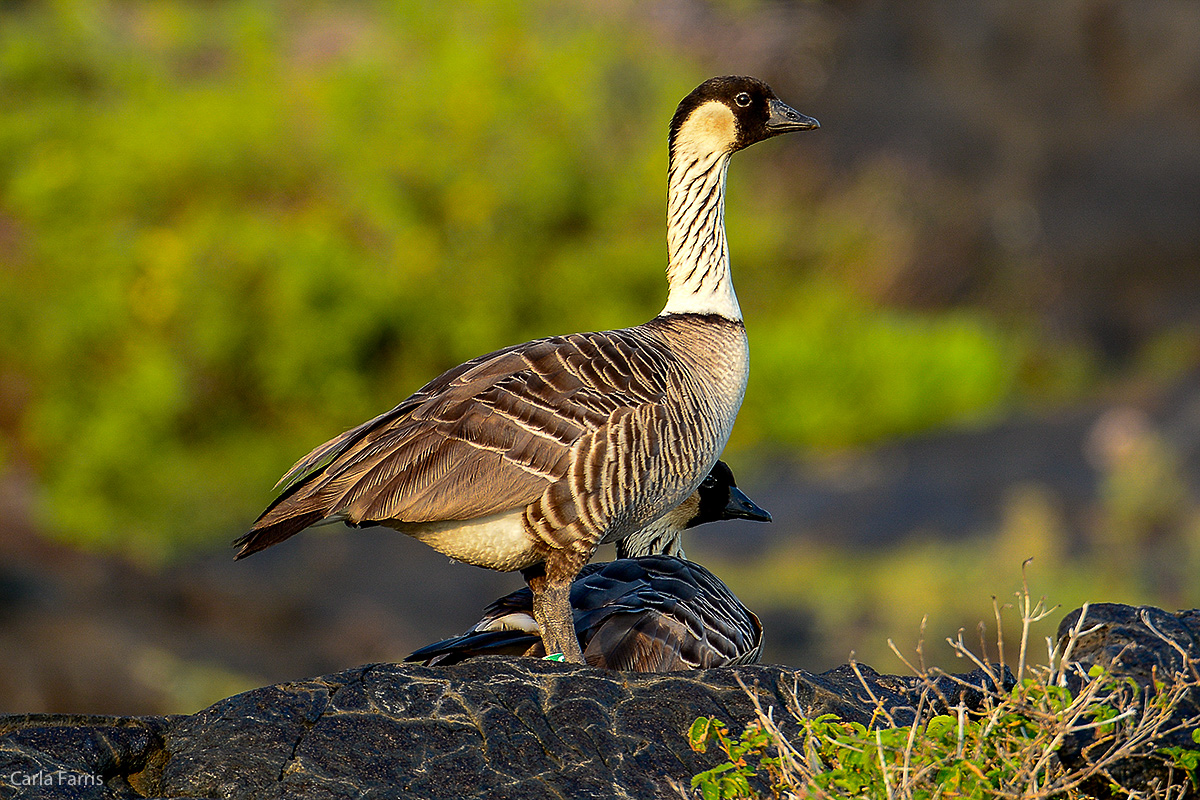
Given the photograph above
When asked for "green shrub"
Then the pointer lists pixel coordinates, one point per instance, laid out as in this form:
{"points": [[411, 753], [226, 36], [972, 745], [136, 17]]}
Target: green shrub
{"points": [[1006, 748]]}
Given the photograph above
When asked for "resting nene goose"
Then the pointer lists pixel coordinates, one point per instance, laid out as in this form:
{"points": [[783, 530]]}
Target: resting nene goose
{"points": [[528, 458], [649, 611]]}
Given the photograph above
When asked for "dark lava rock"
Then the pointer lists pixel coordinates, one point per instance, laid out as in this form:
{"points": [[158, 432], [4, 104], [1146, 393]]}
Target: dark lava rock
{"points": [[1137, 641], [1146, 644], [501, 728], [488, 728]]}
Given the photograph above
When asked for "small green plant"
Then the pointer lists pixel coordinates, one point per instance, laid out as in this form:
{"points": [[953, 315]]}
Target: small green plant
{"points": [[731, 779], [1007, 747], [1187, 760]]}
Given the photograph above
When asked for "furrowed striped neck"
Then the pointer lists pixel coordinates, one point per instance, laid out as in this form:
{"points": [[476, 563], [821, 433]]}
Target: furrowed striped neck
{"points": [[698, 255], [658, 538]]}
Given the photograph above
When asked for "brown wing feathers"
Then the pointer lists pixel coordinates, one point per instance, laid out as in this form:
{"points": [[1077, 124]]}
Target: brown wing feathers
{"points": [[487, 436]]}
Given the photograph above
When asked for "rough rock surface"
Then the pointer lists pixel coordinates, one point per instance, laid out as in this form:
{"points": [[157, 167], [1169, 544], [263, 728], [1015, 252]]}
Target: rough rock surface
{"points": [[1140, 641], [1143, 643], [1146, 644], [490, 728]]}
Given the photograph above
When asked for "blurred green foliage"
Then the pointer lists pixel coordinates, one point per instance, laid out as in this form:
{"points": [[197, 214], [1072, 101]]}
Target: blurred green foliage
{"points": [[230, 230]]}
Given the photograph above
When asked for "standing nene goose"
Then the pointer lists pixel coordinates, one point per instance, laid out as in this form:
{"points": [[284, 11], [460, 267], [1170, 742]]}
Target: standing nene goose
{"points": [[528, 458], [648, 611]]}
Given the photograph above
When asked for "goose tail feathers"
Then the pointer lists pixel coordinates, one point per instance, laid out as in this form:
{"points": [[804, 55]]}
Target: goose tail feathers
{"points": [[274, 533]]}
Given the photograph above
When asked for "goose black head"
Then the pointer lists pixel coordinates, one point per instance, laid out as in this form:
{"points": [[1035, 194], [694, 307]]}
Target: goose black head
{"points": [[719, 498], [727, 114]]}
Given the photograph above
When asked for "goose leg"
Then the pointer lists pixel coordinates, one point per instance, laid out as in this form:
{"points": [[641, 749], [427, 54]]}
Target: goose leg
{"points": [[553, 615], [552, 610]]}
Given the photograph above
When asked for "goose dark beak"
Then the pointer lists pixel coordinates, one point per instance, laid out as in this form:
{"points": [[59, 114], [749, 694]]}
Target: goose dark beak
{"points": [[785, 119], [742, 507]]}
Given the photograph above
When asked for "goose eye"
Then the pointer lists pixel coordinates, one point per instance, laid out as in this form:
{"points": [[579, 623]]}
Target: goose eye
{"points": [[742, 99]]}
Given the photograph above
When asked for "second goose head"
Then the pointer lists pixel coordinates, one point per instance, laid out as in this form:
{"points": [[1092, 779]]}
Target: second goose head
{"points": [[718, 498]]}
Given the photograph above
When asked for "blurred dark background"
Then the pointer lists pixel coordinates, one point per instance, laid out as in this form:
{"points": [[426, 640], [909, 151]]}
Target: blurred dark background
{"points": [[231, 229]]}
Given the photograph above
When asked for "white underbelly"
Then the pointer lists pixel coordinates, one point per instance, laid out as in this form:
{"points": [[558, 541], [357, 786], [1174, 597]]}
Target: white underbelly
{"points": [[497, 542]]}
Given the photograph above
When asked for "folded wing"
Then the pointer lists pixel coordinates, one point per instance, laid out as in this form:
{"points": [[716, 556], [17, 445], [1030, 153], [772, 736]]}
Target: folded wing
{"points": [[486, 437]]}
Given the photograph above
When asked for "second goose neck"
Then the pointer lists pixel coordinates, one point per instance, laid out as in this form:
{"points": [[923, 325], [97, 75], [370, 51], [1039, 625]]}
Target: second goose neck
{"points": [[698, 255]]}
